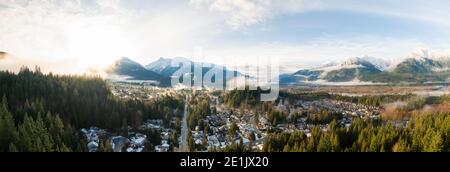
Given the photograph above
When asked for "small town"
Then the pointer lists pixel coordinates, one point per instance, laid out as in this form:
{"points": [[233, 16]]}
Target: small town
{"points": [[249, 128]]}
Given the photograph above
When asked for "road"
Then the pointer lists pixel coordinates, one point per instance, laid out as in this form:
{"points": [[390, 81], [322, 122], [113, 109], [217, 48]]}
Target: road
{"points": [[184, 130]]}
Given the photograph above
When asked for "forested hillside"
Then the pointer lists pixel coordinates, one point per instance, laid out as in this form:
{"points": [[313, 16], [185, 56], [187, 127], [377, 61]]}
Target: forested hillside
{"points": [[425, 133], [44, 112]]}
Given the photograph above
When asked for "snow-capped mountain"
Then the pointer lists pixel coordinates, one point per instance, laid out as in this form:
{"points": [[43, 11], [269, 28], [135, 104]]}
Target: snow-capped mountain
{"points": [[379, 63], [167, 67], [135, 71], [3, 55], [418, 65], [416, 68], [345, 71], [163, 70]]}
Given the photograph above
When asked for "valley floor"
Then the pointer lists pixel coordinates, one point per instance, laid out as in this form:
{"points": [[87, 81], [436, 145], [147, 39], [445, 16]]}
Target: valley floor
{"points": [[362, 90], [227, 121]]}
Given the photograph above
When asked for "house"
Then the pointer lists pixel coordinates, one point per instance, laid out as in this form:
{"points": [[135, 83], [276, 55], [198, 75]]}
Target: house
{"points": [[137, 144], [92, 137], [118, 142], [92, 146], [164, 147]]}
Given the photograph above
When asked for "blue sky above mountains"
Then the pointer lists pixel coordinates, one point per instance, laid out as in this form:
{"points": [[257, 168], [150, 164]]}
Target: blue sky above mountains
{"points": [[300, 32]]}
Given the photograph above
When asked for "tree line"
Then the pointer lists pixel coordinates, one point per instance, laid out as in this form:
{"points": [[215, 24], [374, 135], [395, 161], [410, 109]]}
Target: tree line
{"points": [[45, 112], [423, 133]]}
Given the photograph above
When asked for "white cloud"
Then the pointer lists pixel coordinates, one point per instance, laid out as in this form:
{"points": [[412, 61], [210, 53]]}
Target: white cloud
{"points": [[431, 11], [238, 13], [241, 14], [317, 51], [98, 31], [94, 33], [49, 29]]}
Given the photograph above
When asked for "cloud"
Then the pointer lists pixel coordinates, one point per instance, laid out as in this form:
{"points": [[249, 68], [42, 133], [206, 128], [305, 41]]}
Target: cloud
{"points": [[75, 36], [3, 55], [93, 33], [238, 14], [294, 56], [431, 11], [65, 36], [241, 14], [43, 25], [85, 32]]}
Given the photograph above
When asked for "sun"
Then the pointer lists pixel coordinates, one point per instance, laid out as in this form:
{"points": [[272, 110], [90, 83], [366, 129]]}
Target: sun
{"points": [[97, 46]]}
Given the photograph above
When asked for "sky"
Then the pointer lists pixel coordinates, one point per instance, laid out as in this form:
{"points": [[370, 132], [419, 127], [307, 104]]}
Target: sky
{"points": [[73, 36]]}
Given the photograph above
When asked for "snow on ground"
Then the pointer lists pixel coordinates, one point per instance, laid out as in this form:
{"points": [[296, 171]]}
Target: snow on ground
{"points": [[118, 142], [92, 136], [137, 143], [328, 69], [354, 82]]}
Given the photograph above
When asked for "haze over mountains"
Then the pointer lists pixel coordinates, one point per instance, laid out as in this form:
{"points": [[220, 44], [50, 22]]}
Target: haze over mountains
{"points": [[13, 63], [3, 55], [415, 69], [164, 69], [135, 71], [369, 70], [167, 66]]}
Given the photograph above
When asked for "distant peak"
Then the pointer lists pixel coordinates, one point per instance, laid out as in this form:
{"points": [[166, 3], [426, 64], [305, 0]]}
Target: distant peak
{"points": [[3, 55], [125, 59], [330, 63], [181, 59], [422, 54], [353, 61]]}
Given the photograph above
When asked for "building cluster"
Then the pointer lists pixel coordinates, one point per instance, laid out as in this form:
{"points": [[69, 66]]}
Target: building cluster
{"points": [[135, 142], [252, 128], [143, 92], [158, 126], [219, 125], [348, 110], [92, 136]]}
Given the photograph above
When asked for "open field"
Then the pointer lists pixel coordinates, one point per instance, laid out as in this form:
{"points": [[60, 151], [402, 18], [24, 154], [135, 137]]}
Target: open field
{"points": [[426, 90]]}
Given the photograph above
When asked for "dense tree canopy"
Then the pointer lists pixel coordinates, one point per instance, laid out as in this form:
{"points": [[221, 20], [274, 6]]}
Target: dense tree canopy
{"points": [[424, 133], [41, 113]]}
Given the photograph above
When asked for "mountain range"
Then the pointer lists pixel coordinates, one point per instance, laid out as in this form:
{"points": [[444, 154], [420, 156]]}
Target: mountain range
{"points": [[3, 55], [164, 69], [132, 70], [417, 69], [355, 70], [167, 66]]}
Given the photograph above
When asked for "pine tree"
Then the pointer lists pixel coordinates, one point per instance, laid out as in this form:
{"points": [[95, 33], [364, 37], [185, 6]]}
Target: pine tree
{"points": [[205, 140], [8, 132], [287, 148], [43, 133], [252, 136], [256, 118], [26, 142], [232, 131], [190, 141], [324, 144], [64, 148], [105, 146], [174, 139], [124, 127], [12, 148]]}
